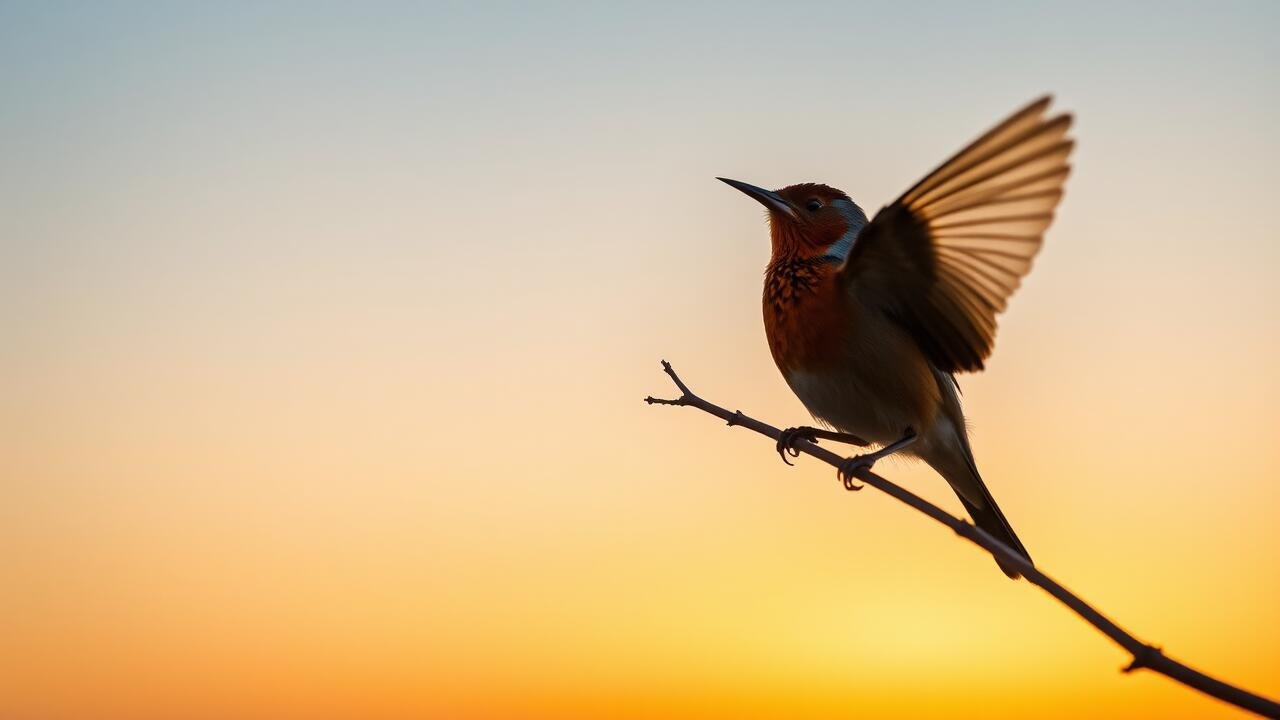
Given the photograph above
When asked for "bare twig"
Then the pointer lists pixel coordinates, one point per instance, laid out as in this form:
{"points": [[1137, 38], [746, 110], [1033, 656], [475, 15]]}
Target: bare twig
{"points": [[1144, 654]]}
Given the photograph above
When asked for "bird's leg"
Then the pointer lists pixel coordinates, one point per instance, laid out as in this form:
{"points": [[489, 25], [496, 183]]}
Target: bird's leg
{"points": [[865, 462], [788, 438]]}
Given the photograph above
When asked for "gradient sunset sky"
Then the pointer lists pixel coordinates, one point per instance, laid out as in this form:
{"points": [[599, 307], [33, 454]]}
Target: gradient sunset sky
{"points": [[326, 328]]}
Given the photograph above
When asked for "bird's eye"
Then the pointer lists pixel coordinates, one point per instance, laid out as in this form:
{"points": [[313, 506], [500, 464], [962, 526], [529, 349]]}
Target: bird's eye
{"points": [[813, 205]]}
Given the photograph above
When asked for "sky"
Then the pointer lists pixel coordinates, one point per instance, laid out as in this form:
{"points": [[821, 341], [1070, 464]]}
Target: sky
{"points": [[326, 329]]}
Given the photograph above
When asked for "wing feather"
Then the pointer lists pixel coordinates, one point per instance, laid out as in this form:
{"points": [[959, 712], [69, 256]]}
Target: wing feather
{"points": [[945, 257]]}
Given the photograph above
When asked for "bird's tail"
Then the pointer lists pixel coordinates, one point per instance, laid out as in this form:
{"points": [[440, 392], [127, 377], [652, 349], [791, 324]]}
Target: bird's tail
{"points": [[970, 488]]}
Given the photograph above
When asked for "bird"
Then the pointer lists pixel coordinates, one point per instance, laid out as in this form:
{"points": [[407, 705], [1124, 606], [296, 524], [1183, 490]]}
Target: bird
{"points": [[870, 321]]}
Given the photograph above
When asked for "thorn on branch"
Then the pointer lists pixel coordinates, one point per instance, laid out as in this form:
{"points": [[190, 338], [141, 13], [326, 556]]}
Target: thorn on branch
{"points": [[1143, 658], [736, 419]]}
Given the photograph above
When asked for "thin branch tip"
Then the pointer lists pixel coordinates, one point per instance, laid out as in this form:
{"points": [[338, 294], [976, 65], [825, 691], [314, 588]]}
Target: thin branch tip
{"points": [[651, 400], [666, 367]]}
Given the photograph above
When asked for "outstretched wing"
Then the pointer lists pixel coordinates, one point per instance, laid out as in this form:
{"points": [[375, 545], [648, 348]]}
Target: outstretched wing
{"points": [[943, 259]]}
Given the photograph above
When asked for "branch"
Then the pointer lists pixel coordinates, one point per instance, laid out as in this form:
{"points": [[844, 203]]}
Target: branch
{"points": [[1144, 654]]}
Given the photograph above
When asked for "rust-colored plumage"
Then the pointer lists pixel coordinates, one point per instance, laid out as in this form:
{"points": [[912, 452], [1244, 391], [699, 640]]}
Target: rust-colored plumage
{"points": [[869, 321]]}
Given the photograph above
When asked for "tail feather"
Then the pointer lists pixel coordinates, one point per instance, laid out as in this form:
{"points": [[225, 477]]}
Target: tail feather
{"points": [[988, 516], [993, 521], [955, 463]]}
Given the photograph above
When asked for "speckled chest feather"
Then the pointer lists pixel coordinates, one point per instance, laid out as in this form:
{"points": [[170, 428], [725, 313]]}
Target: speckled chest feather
{"points": [[801, 307]]}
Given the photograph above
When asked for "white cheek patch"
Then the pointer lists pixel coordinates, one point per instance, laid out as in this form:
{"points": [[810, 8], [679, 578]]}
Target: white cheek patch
{"points": [[841, 248]]}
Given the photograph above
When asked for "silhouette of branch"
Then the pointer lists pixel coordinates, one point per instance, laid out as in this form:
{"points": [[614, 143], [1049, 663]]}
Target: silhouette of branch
{"points": [[1144, 654]]}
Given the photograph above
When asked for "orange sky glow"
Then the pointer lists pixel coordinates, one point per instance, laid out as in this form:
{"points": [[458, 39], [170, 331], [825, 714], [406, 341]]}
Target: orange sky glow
{"points": [[326, 334]]}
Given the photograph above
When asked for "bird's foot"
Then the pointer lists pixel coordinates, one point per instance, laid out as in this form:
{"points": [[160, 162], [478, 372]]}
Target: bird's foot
{"points": [[849, 469], [852, 465], [787, 441]]}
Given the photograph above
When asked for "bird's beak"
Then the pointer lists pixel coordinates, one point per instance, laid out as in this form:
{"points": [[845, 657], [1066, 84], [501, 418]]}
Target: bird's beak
{"points": [[767, 198]]}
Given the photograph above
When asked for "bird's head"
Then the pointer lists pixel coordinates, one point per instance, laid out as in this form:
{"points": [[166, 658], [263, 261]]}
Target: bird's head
{"points": [[808, 220]]}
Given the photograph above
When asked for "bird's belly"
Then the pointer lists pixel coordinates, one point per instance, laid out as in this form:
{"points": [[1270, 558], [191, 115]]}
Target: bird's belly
{"points": [[849, 408], [876, 395]]}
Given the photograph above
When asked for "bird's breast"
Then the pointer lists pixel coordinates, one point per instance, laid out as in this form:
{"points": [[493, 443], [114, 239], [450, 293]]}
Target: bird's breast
{"points": [[848, 364], [804, 312]]}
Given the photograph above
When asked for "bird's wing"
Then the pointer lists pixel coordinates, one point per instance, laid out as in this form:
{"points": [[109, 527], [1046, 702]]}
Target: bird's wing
{"points": [[943, 259]]}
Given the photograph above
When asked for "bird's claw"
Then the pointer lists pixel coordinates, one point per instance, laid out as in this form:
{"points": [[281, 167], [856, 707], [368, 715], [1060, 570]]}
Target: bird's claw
{"points": [[850, 466], [786, 442]]}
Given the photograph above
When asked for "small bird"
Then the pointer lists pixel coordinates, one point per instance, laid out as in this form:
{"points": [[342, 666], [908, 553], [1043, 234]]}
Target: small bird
{"points": [[869, 322]]}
